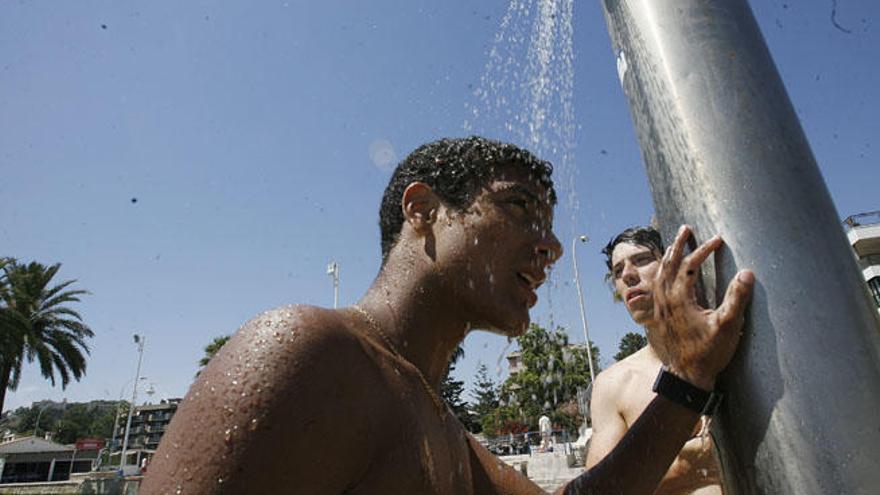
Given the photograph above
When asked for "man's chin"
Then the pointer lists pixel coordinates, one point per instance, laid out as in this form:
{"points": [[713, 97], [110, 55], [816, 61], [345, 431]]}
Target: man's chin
{"points": [[642, 318], [512, 328]]}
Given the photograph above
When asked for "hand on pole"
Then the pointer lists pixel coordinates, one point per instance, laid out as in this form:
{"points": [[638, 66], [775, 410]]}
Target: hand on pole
{"points": [[696, 342]]}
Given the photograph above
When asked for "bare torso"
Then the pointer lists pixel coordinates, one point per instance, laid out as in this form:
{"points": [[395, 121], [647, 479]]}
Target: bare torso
{"points": [[627, 387], [303, 401]]}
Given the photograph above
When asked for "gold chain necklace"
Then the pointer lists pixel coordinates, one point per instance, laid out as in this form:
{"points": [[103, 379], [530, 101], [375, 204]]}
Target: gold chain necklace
{"points": [[438, 402]]}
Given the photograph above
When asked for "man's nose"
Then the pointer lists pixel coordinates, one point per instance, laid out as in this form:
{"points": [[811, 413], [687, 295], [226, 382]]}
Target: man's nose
{"points": [[549, 248], [630, 275]]}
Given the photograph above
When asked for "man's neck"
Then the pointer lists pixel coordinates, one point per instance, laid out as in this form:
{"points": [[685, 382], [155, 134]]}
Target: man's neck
{"points": [[651, 334], [422, 326]]}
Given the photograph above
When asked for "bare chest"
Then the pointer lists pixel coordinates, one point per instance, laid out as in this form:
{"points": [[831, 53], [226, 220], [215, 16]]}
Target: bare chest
{"points": [[416, 449]]}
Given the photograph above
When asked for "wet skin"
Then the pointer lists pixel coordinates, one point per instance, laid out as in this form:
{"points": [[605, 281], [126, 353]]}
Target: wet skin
{"points": [[309, 400]]}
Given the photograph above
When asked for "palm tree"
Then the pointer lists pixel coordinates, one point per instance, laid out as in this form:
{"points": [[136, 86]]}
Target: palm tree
{"points": [[210, 350], [35, 323]]}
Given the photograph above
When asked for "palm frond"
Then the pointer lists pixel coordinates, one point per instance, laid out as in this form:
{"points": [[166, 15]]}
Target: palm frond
{"points": [[37, 324]]}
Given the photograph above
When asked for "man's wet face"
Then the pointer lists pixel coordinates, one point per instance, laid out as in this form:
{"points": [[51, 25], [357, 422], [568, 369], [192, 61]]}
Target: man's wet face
{"points": [[633, 268], [506, 245]]}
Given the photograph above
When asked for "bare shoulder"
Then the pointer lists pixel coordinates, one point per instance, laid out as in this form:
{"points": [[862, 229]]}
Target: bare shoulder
{"points": [[626, 370], [272, 402], [627, 383]]}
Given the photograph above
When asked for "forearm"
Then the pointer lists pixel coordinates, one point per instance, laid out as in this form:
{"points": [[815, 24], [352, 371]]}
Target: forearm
{"points": [[641, 459]]}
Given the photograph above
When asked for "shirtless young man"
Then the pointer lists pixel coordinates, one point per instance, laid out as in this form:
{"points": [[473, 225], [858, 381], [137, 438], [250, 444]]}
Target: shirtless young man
{"points": [[316, 401], [623, 391]]}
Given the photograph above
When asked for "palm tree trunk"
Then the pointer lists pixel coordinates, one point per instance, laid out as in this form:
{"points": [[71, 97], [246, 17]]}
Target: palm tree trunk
{"points": [[5, 371]]}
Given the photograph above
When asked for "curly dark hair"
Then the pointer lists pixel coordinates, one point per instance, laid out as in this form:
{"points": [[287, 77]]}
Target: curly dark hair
{"points": [[455, 169], [641, 236]]}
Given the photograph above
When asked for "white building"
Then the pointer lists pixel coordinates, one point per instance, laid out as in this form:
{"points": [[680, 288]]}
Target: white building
{"points": [[863, 231]]}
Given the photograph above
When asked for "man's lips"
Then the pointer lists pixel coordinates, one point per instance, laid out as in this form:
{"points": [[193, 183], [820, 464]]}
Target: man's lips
{"points": [[531, 282], [633, 294]]}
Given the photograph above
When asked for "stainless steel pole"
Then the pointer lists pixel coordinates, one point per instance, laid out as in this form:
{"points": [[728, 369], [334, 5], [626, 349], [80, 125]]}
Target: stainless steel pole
{"points": [[725, 152]]}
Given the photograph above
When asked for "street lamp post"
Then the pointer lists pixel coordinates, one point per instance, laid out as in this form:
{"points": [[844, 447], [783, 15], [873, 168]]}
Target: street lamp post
{"points": [[333, 271], [118, 408], [577, 283], [139, 340], [37, 424]]}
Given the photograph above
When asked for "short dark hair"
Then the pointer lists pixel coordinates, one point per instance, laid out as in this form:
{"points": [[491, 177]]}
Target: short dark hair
{"points": [[640, 236], [455, 169]]}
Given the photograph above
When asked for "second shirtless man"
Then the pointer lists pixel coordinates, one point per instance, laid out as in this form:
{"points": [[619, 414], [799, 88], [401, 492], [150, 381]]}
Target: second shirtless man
{"points": [[623, 391]]}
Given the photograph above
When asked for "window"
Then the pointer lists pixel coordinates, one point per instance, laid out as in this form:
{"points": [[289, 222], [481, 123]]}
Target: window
{"points": [[874, 286]]}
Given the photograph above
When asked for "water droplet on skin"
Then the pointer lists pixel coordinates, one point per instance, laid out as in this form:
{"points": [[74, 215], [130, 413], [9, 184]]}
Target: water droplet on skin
{"points": [[219, 481], [235, 382], [179, 490], [254, 423]]}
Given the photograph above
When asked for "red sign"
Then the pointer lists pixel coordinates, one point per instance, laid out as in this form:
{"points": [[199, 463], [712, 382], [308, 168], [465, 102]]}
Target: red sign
{"points": [[90, 444]]}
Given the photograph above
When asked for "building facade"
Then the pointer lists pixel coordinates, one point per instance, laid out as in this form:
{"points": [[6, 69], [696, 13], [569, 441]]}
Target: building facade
{"points": [[148, 423], [863, 232], [34, 459]]}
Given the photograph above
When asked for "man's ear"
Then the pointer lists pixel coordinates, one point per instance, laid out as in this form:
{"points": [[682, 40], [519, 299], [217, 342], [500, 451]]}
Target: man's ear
{"points": [[420, 204]]}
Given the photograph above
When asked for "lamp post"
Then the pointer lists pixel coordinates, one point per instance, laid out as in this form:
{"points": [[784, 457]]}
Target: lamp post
{"points": [[333, 271], [577, 283], [37, 424], [118, 407], [139, 340]]}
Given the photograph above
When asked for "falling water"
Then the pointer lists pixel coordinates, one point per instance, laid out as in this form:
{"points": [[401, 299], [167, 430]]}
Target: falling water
{"points": [[525, 95]]}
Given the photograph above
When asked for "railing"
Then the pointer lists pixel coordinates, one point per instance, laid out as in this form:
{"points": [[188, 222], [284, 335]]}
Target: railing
{"points": [[862, 219], [527, 442]]}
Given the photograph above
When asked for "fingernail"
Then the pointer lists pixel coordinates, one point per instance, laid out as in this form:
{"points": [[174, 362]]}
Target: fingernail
{"points": [[745, 276]]}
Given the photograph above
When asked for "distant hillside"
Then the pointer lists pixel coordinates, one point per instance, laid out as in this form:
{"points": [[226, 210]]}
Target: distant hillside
{"points": [[66, 421]]}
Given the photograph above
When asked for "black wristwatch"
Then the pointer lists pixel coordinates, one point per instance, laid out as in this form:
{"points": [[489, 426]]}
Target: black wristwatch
{"points": [[681, 392]]}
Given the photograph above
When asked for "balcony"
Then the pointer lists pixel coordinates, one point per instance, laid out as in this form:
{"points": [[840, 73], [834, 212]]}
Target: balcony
{"points": [[863, 232]]}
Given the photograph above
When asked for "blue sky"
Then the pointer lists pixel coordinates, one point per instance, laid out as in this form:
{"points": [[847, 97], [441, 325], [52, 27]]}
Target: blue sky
{"points": [[194, 163]]}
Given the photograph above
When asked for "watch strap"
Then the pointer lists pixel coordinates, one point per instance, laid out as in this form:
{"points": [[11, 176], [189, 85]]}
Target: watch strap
{"points": [[686, 394]]}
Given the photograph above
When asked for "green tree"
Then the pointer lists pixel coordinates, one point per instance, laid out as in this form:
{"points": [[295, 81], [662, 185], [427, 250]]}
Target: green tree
{"points": [[485, 396], [68, 422], [629, 344], [553, 371], [36, 323], [212, 349]]}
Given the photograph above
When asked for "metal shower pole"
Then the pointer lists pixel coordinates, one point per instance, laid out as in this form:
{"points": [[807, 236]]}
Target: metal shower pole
{"points": [[725, 152]]}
